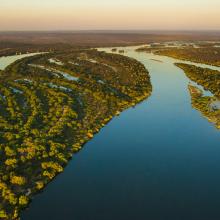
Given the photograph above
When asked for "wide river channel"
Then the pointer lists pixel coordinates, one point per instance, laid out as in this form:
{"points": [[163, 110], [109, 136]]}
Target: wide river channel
{"points": [[159, 161]]}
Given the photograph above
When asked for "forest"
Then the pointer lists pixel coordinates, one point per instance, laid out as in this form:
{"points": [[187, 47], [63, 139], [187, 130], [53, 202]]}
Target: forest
{"points": [[207, 53], [209, 106], [51, 104], [209, 79]]}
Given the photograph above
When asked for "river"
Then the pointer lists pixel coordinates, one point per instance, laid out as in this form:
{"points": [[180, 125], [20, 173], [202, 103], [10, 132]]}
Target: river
{"points": [[7, 60], [159, 161]]}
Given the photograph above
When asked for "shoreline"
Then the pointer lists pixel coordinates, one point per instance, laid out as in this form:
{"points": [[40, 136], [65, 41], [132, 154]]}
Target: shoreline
{"points": [[85, 133]]}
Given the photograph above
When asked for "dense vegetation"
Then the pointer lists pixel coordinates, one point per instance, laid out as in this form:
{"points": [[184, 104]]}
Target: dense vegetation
{"points": [[208, 55], [208, 106], [209, 79], [50, 105]]}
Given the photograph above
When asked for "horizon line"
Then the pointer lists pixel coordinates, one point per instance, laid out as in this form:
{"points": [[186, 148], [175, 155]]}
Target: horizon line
{"points": [[114, 30]]}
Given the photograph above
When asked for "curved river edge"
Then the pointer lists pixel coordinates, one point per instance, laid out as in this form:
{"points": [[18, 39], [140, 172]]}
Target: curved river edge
{"points": [[7, 60], [108, 119], [157, 57], [206, 91], [164, 58], [185, 60], [78, 161], [105, 119], [81, 144]]}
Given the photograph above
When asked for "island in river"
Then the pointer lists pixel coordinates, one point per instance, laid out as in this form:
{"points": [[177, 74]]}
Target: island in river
{"points": [[208, 55], [209, 79], [152, 162], [50, 106], [208, 106]]}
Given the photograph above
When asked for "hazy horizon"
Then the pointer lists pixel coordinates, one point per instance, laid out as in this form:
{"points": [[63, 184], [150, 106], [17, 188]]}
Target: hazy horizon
{"points": [[24, 15]]}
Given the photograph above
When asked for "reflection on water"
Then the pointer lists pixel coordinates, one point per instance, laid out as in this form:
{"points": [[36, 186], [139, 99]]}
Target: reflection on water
{"points": [[157, 161]]}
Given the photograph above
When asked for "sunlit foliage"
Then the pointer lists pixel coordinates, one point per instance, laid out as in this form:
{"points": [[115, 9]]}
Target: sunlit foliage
{"points": [[48, 110]]}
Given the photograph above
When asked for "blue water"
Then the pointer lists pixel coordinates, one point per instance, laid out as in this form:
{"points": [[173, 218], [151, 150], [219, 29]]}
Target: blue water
{"points": [[157, 161]]}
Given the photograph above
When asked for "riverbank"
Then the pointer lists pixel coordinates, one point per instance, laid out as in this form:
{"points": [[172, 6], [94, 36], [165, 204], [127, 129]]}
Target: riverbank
{"points": [[7, 60], [127, 169], [207, 55], [46, 117]]}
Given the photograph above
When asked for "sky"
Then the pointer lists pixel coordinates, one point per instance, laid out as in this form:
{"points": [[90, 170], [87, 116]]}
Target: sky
{"points": [[109, 15]]}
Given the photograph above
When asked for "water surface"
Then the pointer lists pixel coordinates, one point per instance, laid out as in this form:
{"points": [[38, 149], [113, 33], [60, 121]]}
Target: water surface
{"points": [[7, 60], [157, 161]]}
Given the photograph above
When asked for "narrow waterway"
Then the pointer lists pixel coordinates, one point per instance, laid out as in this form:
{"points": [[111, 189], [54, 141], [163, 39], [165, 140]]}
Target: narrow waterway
{"points": [[157, 161]]}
